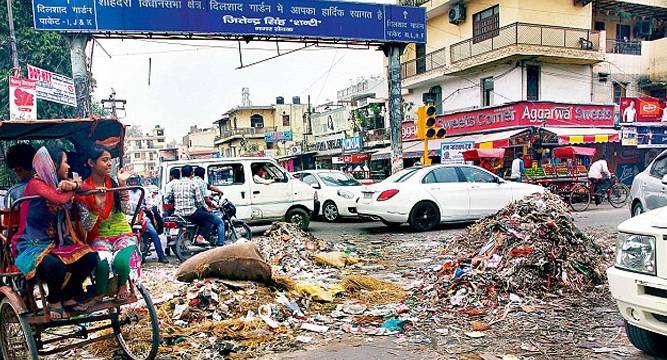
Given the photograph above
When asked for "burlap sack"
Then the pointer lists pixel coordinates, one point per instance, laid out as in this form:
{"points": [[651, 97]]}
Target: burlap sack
{"points": [[231, 262]]}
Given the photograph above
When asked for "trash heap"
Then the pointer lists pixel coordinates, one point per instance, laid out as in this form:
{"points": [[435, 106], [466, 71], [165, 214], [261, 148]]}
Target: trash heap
{"points": [[531, 248], [311, 297]]}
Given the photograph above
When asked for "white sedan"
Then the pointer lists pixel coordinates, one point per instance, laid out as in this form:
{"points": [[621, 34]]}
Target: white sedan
{"points": [[337, 191], [427, 196]]}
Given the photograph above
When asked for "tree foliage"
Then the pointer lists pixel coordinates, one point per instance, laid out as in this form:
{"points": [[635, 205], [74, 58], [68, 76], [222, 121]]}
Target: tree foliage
{"points": [[44, 49]]}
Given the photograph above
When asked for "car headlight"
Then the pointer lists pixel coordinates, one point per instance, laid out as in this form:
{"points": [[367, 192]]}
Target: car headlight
{"points": [[345, 194], [636, 253]]}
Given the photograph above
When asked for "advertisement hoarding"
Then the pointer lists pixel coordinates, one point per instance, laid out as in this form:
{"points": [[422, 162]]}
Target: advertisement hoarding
{"points": [[22, 99], [651, 137], [643, 110], [299, 19], [452, 152], [53, 87]]}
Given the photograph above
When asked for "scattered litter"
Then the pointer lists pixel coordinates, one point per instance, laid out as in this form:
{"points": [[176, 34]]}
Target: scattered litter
{"points": [[314, 328]]}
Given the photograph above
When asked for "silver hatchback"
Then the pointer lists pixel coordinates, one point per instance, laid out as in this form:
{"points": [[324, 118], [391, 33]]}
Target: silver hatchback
{"points": [[649, 188]]}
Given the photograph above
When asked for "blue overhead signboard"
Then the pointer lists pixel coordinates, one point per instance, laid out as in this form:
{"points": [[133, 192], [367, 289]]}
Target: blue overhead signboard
{"points": [[301, 19]]}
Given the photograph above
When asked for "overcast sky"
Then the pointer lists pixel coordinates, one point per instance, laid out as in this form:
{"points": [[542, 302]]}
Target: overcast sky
{"points": [[195, 82]]}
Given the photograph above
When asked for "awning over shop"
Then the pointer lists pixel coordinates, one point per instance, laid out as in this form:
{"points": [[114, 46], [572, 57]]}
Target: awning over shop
{"points": [[382, 154], [477, 154], [568, 135], [498, 139], [572, 151], [416, 149]]}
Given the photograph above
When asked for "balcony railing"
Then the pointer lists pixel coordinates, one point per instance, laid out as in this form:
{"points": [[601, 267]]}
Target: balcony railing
{"points": [[246, 132], [431, 61], [523, 34], [627, 47]]}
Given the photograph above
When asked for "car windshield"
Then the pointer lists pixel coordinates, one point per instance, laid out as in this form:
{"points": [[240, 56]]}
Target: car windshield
{"points": [[402, 175], [338, 179]]}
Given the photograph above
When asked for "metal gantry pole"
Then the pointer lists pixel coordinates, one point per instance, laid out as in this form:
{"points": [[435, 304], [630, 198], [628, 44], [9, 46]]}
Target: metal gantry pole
{"points": [[393, 53], [16, 70], [80, 74]]}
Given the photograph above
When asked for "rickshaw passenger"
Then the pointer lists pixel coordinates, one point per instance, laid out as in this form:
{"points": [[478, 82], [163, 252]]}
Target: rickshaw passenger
{"points": [[108, 231], [46, 245], [19, 158]]}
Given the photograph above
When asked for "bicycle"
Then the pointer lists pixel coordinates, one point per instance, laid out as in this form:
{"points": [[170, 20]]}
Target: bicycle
{"points": [[581, 195]]}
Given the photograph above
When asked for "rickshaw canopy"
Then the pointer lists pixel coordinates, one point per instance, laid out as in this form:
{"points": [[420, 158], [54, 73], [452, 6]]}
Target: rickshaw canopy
{"points": [[107, 132], [478, 154], [570, 152]]}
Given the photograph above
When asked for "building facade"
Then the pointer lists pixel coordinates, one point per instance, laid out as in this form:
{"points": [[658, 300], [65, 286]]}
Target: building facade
{"points": [[272, 130], [143, 151], [199, 143]]}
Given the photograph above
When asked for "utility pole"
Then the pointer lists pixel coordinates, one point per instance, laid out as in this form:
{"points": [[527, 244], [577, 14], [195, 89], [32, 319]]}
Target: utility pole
{"points": [[393, 53], [80, 74], [16, 70], [112, 101]]}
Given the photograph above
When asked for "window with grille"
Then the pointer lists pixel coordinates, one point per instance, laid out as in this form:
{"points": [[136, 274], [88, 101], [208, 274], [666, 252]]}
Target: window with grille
{"points": [[619, 92], [485, 24], [532, 82], [487, 91]]}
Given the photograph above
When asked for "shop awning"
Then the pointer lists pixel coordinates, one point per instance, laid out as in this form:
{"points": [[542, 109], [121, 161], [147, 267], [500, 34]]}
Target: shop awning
{"points": [[382, 154], [415, 149], [497, 140], [477, 154], [572, 151], [569, 135]]}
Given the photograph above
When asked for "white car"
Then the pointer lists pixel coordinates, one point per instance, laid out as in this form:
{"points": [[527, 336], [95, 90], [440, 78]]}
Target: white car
{"points": [[638, 280], [427, 196], [649, 188], [337, 191]]}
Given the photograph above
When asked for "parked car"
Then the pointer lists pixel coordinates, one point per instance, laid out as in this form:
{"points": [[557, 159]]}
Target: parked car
{"points": [[638, 280], [281, 198], [427, 196], [337, 191], [649, 188]]}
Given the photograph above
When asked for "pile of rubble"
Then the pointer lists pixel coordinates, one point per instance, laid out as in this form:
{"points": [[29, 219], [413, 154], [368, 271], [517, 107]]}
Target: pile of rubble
{"points": [[528, 249]]}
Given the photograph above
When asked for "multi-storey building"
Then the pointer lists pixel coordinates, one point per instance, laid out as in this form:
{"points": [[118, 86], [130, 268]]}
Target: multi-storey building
{"points": [[274, 130], [199, 143], [143, 151], [522, 73]]}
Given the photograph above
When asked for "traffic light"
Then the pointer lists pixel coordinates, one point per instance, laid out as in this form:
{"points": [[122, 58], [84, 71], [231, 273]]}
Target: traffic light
{"points": [[431, 130], [420, 124]]}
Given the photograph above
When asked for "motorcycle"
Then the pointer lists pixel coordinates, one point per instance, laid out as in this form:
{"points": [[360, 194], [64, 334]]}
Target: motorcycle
{"points": [[145, 215], [182, 233]]}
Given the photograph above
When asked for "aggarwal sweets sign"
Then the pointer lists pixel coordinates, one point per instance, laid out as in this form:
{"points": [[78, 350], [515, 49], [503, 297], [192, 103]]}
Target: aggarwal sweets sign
{"points": [[522, 114]]}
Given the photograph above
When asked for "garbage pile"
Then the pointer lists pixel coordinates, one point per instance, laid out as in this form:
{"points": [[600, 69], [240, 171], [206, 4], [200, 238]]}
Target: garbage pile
{"points": [[311, 297], [530, 248]]}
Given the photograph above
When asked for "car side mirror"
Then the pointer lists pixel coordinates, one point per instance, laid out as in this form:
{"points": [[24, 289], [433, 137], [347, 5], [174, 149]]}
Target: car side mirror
{"points": [[315, 186], [664, 180]]}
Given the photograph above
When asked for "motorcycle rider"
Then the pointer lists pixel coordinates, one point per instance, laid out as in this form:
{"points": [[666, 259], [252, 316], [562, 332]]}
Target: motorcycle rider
{"points": [[217, 222]]}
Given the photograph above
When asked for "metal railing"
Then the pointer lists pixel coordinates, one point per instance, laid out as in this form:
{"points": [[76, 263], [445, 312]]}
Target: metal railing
{"points": [[523, 34], [627, 47], [246, 132], [420, 65]]}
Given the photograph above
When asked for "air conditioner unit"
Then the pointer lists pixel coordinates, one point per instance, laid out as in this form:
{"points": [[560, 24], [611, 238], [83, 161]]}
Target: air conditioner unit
{"points": [[457, 14]]}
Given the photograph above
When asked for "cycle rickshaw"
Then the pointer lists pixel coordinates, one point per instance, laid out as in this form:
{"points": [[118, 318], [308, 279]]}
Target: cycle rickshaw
{"points": [[26, 329]]}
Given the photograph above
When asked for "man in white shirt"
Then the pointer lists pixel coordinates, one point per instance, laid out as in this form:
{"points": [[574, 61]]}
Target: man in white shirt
{"points": [[630, 113], [261, 176], [518, 169], [599, 176]]}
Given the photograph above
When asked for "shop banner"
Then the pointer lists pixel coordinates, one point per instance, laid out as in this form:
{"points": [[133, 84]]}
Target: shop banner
{"points": [[22, 99], [53, 87], [452, 152], [356, 158], [352, 144], [274, 137], [408, 131], [643, 110], [629, 137], [651, 137], [523, 114]]}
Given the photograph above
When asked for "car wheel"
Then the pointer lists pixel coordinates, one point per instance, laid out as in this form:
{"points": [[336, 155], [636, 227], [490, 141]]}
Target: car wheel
{"points": [[646, 341], [637, 209], [299, 217], [424, 216], [330, 211]]}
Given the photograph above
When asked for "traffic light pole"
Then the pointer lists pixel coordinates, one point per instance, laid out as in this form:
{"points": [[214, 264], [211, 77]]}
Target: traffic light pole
{"points": [[393, 53], [425, 159]]}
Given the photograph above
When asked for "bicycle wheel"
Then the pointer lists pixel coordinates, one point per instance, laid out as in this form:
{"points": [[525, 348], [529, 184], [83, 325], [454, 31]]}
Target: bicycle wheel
{"points": [[136, 326], [580, 198], [16, 337], [618, 195]]}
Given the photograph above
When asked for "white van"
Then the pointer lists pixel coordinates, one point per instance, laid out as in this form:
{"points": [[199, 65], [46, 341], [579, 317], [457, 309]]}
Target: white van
{"points": [[286, 198]]}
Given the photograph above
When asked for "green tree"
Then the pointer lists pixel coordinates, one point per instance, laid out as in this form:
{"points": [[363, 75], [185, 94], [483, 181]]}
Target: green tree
{"points": [[47, 50]]}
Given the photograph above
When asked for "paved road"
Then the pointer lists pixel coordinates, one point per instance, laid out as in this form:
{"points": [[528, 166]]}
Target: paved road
{"points": [[602, 218]]}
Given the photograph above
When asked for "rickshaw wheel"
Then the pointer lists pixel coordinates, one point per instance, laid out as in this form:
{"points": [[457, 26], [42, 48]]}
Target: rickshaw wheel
{"points": [[16, 337], [580, 198], [136, 327]]}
